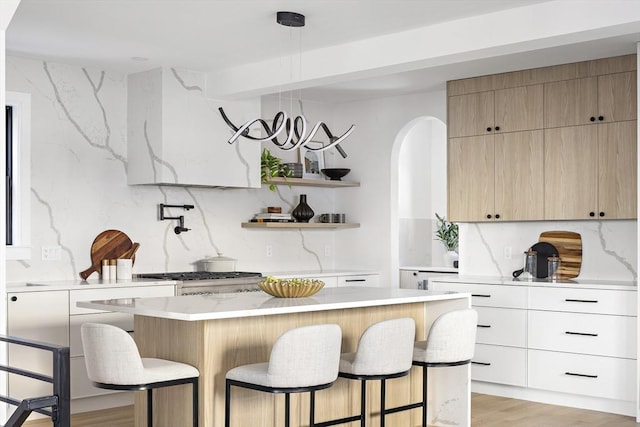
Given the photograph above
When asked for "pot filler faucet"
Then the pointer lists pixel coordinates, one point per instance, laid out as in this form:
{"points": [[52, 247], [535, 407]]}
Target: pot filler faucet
{"points": [[180, 227]]}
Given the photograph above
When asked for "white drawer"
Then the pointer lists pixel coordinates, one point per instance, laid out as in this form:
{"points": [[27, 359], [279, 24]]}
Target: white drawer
{"points": [[496, 364], [121, 320], [488, 295], [80, 384], [595, 334], [501, 326], [371, 280], [104, 294], [599, 301], [598, 376]]}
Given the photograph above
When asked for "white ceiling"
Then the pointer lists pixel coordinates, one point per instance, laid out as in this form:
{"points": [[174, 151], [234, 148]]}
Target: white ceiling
{"points": [[212, 35]]}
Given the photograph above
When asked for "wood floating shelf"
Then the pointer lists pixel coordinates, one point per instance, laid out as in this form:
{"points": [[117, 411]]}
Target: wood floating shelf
{"points": [[298, 225], [327, 183]]}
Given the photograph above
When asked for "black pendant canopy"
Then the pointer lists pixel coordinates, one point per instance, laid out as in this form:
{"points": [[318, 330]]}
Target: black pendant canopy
{"points": [[290, 19]]}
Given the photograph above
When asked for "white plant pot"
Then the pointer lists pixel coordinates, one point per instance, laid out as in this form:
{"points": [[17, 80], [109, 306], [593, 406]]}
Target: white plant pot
{"points": [[449, 257]]}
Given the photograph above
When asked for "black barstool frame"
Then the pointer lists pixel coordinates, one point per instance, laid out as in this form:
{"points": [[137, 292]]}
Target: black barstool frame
{"points": [[363, 398], [274, 390], [423, 404], [150, 387]]}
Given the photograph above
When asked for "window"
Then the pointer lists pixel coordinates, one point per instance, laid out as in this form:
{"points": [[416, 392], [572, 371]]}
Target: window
{"points": [[18, 175]]}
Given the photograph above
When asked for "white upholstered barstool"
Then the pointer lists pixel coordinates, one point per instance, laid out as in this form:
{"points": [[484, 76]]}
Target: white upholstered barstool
{"points": [[303, 359], [384, 352], [113, 362], [451, 342]]}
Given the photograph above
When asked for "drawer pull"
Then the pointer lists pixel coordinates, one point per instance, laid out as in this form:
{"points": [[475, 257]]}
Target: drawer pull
{"points": [[484, 326], [581, 300], [586, 334], [129, 331], [580, 375], [481, 363], [481, 295], [355, 280]]}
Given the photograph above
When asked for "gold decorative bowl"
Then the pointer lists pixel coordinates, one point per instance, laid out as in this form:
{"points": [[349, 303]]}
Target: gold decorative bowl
{"points": [[290, 288]]}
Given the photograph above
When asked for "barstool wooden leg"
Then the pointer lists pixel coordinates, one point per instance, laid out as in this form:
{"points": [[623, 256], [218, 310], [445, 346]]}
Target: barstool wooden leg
{"points": [[149, 407]]}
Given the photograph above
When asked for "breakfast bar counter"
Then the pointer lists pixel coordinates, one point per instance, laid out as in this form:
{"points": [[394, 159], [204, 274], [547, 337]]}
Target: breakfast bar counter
{"points": [[218, 332]]}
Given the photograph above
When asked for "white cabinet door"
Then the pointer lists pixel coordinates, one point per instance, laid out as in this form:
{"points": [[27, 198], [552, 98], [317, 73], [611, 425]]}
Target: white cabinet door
{"points": [[578, 300], [42, 316], [487, 295], [501, 326]]}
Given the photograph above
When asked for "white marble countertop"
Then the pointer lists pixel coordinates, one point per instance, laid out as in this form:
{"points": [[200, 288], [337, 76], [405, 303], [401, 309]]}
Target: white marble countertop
{"points": [[317, 273], [225, 306], [582, 283], [428, 268], [66, 285]]}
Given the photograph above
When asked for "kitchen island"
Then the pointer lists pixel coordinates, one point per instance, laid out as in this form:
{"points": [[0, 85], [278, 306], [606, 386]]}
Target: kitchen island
{"points": [[218, 332]]}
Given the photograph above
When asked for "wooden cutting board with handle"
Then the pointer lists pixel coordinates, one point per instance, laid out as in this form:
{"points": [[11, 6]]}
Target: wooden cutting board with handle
{"points": [[569, 246], [110, 244]]}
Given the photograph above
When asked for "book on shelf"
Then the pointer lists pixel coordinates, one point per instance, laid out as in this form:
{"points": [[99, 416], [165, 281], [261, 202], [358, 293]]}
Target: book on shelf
{"points": [[273, 216], [271, 220]]}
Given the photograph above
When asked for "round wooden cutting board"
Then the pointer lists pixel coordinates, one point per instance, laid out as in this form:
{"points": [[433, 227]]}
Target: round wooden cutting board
{"points": [[110, 244]]}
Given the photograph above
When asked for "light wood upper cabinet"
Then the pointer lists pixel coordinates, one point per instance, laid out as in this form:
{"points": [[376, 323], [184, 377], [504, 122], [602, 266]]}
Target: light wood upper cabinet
{"points": [[570, 102], [519, 174], [607, 98], [470, 115], [504, 110], [471, 178], [617, 97], [617, 170], [564, 145], [519, 108], [590, 171], [496, 177], [570, 172]]}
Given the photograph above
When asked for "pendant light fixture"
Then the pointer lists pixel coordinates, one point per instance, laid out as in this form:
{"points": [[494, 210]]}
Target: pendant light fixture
{"points": [[295, 130]]}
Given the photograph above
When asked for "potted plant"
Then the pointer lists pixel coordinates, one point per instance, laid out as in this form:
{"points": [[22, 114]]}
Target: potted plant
{"points": [[272, 166], [447, 233]]}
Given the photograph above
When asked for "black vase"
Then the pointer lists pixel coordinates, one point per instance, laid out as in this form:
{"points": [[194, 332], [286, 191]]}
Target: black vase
{"points": [[302, 212]]}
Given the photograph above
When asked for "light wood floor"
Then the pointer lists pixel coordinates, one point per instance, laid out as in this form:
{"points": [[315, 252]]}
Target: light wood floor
{"points": [[486, 411]]}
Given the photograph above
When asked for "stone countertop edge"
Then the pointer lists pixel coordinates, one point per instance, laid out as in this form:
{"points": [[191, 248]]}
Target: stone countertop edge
{"points": [[568, 283], [73, 285], [226, 306]]}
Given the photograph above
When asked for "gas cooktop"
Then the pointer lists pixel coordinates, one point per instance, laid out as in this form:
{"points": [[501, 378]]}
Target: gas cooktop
{"points": [[199, 275]]}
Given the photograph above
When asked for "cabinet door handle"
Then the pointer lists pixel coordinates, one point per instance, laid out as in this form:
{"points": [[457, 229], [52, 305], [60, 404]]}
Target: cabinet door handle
{"points": [[481, 363], [355, 280], [497, 216], [129, 331], [573, 374], [592, 214], [601, 118], [488, 216], [484, 326], [601, 214], [497, 127], [592, 118], [488, 129], [481, 295], [586, 334], [593, 301], [14, 298]]}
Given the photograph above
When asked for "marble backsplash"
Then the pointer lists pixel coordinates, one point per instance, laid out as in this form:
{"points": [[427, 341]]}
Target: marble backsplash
{"points": [[609, 248]]}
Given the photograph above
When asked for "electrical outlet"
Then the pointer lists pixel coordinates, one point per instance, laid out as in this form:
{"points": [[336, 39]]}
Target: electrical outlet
{"points": [[269, 250], [508, 251], [327, 250], [51, 253]]}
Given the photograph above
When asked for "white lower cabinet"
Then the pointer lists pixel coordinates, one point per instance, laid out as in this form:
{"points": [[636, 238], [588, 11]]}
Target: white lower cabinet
{"points": [[499, 364], [566, 339], [52, 316], [607, 377]]}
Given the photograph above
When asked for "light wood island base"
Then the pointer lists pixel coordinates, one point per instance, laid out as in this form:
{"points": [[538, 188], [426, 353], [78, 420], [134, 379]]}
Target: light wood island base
{"points": [[215, 346]]}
